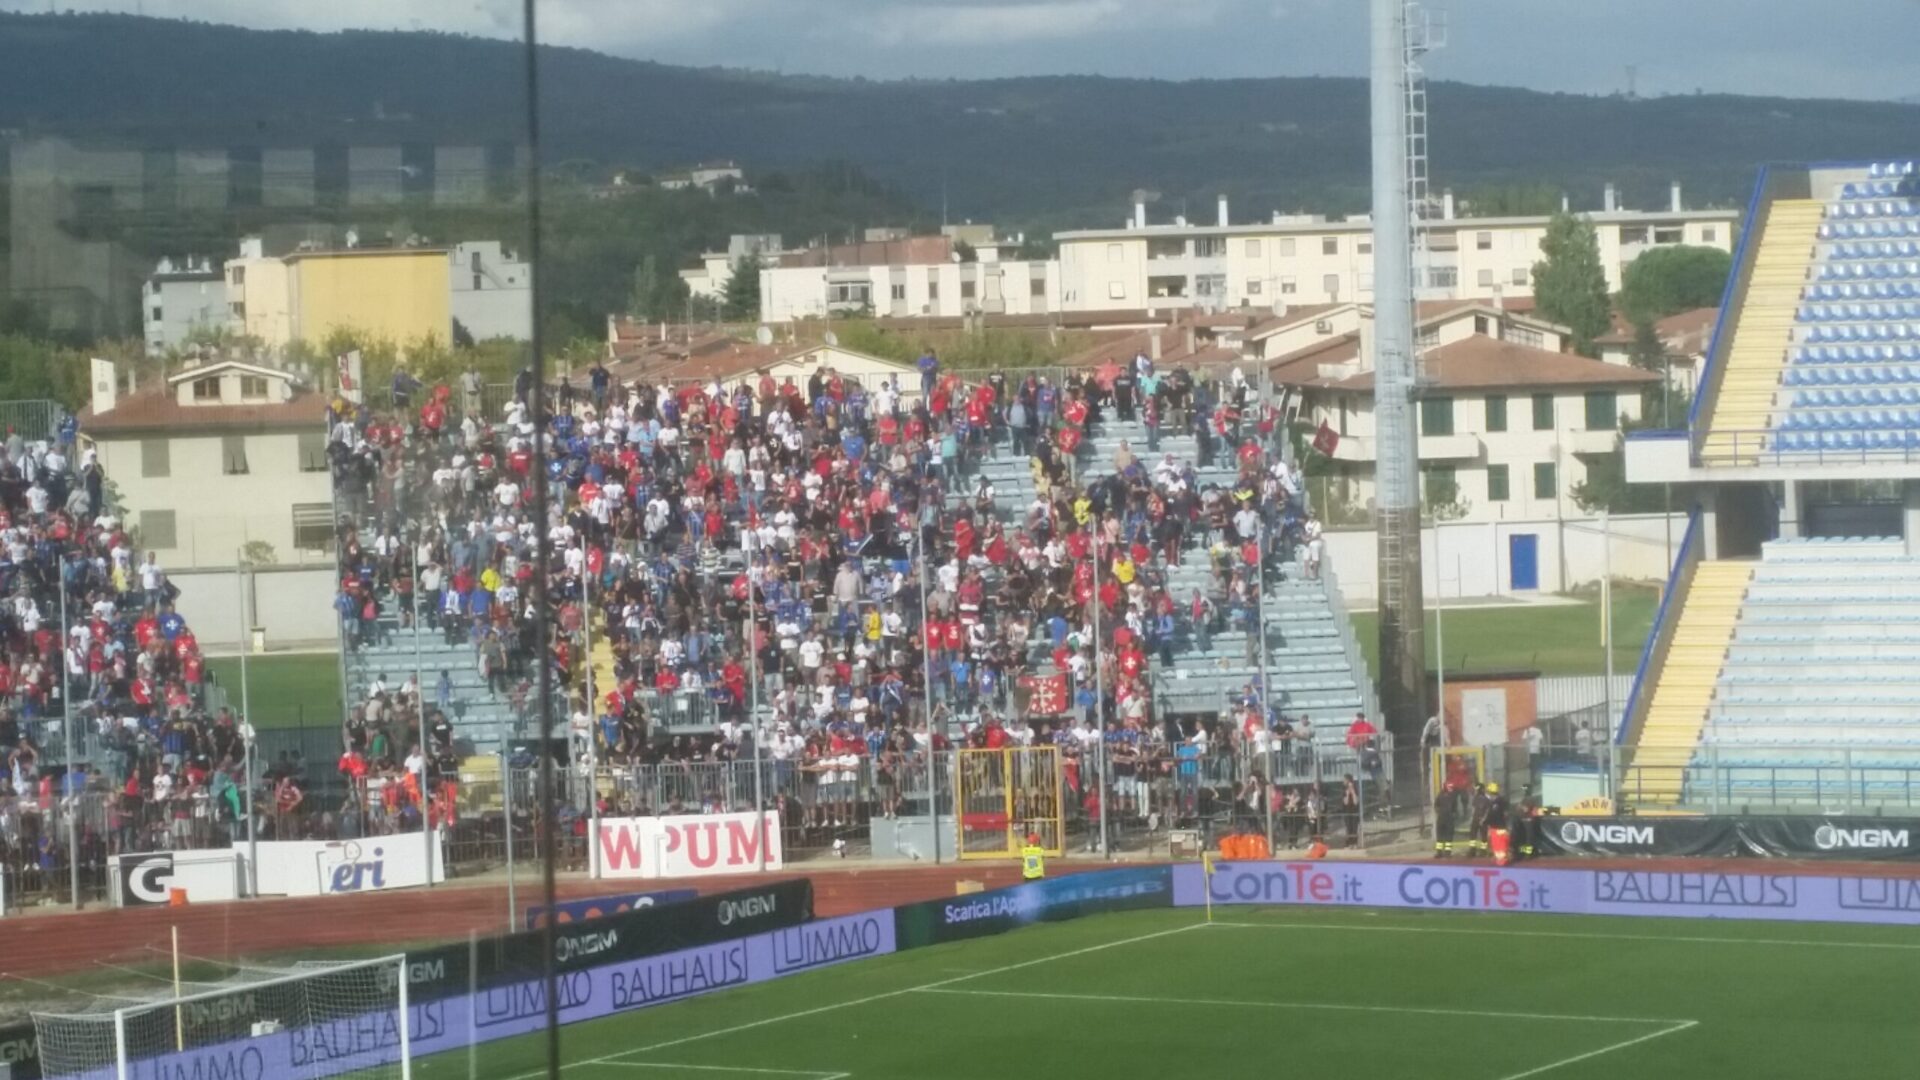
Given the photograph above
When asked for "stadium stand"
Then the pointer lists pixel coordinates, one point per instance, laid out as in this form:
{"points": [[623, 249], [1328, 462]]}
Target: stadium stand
{"points": [[1782, 671], [676, 499]]}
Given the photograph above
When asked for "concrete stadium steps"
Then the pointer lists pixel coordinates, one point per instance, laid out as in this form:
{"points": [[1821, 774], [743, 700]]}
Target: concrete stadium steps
{"points": [[1757, 353], [479, 716], [1685, 692]]}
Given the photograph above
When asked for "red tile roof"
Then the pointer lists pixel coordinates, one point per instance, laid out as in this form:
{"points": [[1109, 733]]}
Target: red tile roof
{"points": [[1476, 362], [158, 409]]}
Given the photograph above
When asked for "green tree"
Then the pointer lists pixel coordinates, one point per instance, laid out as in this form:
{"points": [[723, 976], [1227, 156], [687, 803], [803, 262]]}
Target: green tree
{"points": [[1569, 285], [1669, 280], [742, 302]]}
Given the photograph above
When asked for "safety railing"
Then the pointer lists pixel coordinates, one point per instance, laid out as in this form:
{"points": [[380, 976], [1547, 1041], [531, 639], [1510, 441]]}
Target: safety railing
{"points": [[1748, 448]]}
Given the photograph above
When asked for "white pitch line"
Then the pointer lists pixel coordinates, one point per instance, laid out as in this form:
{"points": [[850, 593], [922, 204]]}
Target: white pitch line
{"points": [[810, 1075], [1681, 1025], [867, 1000], [1315, 1005], [1663, 939]]}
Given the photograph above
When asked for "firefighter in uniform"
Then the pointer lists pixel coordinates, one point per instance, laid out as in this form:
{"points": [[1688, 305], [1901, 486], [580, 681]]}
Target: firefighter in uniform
{"points": [[1498, 815], [1443, 816], [1526, 822], [1033, 859], [1477, 823]]}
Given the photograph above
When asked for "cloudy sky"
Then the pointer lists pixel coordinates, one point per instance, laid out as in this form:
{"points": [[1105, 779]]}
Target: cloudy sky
{"points": [[1796, 48]]}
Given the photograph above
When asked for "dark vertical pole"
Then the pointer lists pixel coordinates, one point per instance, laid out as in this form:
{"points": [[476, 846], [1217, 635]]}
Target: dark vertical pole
{"points": [[543, 541]]}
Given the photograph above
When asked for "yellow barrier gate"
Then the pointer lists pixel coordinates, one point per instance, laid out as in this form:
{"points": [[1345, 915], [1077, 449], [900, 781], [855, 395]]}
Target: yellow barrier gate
{"points": [[1004, 795]]}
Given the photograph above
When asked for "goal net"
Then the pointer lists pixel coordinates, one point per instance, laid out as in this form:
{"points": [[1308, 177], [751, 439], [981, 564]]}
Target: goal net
{"points": [[307, 1021]]}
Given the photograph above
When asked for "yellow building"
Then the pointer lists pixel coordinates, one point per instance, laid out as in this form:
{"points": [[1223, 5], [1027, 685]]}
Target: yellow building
{"points": [[393, 294]]}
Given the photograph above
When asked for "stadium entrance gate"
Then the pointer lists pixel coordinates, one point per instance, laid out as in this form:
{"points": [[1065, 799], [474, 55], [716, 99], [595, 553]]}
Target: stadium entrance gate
{"points": [[1006, 794]]}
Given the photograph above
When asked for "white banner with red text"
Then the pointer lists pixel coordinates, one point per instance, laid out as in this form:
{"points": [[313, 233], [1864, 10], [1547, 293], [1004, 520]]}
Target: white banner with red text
{"points": [[691, 845]]}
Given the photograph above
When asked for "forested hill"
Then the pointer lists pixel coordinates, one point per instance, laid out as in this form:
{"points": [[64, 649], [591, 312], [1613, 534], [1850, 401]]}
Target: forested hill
{"points": [[1027, 151]]}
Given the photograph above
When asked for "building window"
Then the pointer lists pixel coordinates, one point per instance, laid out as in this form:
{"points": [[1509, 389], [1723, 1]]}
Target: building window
{"points": [[1253, 286], [966, 290], [1543, 412], [253, 388], [239, 275], [1632, 234], [233, 455], [156, 457], [899, 291], [1116, 253], [1442, 484], [1709, 234], [1116, 290], [1482, 325], [207, 389], [1436, 416], [156, 529], [1496, 412], [933, 288], [1519, 275], [1543, 480], [1289, 286], [1672, 234], [1603, 410], [1329, 245], [313, 451], [1344, 403], [1483, 241], [1443, 277], [312, 526], [156, 313], [238, 308], [1498, 487], [1366, 247], [1210, 247], [1037, 287], [1330, 284], [1426, 339], [1521, 335], [1485, 279], [1166, 249], [1253, 249], [1286, 246]]}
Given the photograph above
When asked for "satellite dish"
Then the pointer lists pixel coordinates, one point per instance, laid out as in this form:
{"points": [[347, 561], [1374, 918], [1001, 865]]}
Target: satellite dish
{"points": [[764, 335], [832, 339]]}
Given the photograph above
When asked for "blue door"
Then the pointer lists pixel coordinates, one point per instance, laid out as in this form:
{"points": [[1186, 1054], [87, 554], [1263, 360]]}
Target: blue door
{"points": [[1523, 561]]}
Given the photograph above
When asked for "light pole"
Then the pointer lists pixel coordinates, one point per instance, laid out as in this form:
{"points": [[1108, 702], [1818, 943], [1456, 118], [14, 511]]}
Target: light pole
{"points": [[66, 723], [246, 731], [420, 711]]}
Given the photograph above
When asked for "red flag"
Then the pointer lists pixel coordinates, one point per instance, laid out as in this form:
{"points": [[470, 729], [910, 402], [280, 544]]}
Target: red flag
{"points": [[1049, 694], [1326, 440]]}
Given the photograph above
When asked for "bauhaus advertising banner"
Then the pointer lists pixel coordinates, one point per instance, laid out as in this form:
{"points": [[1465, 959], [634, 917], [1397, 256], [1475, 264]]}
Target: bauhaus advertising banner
{"points": [[1695, 894], [1832, 837], [1639, 836]]}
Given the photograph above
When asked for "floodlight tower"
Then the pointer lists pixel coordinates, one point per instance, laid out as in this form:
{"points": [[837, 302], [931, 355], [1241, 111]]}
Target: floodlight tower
{"points": [[1399, 206]]}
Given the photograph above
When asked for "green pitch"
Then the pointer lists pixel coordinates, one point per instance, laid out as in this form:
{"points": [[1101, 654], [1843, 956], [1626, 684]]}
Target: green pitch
{"points": [[1269, 992]]}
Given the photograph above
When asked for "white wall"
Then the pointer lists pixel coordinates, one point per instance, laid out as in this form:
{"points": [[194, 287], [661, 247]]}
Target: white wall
{"points": [[294, 605], [1470, 559]]}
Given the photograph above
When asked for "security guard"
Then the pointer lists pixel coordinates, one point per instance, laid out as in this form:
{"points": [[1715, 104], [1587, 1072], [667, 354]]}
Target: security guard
{"points": [[1033, 859], [1443, 815]]}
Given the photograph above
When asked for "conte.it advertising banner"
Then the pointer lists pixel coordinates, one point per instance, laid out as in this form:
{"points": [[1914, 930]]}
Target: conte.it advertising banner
{"points": [[1695, 894]]}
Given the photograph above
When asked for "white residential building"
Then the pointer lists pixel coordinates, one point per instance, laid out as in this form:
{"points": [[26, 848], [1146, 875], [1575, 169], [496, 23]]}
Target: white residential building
{"points": [[1310, 259], [181, 299], [918, 276], [709, 280], [491, 292], [1508, 422]]}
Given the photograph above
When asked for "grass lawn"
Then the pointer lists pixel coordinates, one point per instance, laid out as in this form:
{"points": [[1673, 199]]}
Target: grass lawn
{"points": [[285, 691], [1553, 640], [1282, 991]]}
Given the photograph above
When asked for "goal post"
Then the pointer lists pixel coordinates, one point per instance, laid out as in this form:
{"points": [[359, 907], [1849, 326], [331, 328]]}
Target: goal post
{"points": [[311, 1021]]}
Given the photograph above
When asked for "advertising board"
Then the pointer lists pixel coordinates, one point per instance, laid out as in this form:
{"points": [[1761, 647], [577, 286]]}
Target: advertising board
{"points": [[689, 845], [144, 878], [1066, 897], [1699, 894], [596, 907], [335, 867]]}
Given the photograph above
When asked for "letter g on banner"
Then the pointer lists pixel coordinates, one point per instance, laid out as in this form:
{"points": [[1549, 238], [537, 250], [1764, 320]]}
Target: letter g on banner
{"points": [[144, 879]]}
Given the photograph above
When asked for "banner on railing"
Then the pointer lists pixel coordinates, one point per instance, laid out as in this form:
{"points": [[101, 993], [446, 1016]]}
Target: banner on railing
{"points": [[597, 907], [693, 845], [1832, 838], [146, 878], [1067, 897], [1688, 894], [331, 867]]}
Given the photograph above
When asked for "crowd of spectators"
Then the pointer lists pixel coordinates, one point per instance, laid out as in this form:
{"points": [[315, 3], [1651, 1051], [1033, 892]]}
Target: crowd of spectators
{"points": [[714, 534]]}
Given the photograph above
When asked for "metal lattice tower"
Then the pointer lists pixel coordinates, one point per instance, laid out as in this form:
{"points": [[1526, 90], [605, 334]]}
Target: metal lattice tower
{"points": [[1399, 192]]}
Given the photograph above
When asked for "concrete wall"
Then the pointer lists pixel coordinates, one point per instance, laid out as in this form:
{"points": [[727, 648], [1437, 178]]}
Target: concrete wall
{"points": [[294, 605], [1471, 559]]}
